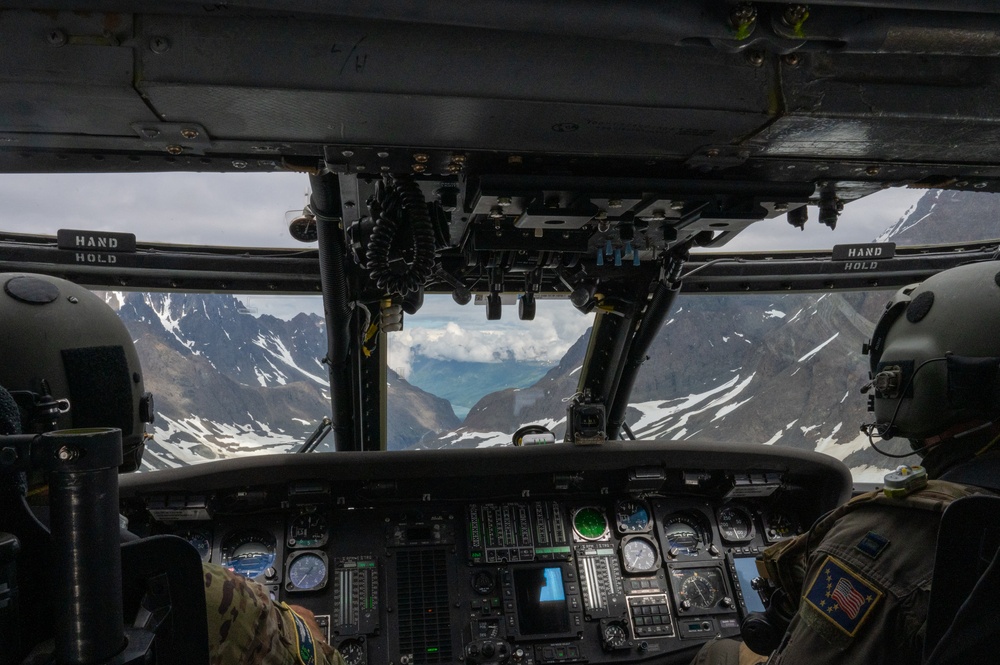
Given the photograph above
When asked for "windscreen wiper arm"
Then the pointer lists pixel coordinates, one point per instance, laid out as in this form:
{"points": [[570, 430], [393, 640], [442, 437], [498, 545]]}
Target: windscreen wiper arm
{"points": [[317, 437]]}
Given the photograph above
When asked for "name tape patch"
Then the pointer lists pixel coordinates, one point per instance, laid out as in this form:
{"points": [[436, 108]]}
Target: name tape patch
{"points": [[872, 544]]}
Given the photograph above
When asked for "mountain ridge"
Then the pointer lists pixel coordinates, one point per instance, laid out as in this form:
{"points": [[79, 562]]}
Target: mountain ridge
{"points": [[229, 383]]}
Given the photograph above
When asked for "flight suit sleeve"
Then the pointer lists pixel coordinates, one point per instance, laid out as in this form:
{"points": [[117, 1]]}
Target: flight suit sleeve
{"points": [[864, 598], [786, 564], [727, 652], [246, 627]]}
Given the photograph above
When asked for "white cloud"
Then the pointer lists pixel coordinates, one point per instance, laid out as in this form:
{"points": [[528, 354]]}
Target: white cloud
{"points": [[445, 331]]}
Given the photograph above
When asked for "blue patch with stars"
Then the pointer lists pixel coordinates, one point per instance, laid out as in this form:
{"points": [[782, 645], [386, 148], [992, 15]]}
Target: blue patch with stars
{"points": [[842, 596]]}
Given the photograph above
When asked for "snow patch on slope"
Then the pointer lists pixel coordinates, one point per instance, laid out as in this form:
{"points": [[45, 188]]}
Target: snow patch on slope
{"points": [[818, 348]]}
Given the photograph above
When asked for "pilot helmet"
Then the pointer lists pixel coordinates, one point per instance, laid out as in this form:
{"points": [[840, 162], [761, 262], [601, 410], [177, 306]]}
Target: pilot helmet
{"points": [[934, 356], [69, 362]]}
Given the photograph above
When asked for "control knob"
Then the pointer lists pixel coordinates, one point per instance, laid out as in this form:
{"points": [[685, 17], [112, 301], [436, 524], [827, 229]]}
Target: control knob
{"points": [[483, 582]]}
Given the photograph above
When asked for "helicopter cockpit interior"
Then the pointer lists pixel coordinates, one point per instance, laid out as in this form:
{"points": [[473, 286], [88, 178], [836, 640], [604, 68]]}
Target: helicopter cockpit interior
{"points": [[585, 150]]}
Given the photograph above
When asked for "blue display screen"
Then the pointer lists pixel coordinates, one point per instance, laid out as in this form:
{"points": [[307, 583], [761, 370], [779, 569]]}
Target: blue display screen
{"points": [[746, 571], [541, 601], [553, 589]]}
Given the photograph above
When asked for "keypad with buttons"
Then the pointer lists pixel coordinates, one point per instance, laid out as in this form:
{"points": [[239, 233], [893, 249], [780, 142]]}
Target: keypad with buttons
{"points": [[650, 616]]}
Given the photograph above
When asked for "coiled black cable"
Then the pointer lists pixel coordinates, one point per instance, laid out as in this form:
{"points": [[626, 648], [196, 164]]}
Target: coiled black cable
{"points": [[397, 207]]}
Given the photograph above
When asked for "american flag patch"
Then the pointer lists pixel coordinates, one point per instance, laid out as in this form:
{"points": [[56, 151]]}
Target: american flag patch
{"points": [[842, 596]]}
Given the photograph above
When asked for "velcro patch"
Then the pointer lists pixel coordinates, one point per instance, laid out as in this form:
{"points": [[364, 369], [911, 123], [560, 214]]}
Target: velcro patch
{"points": [[305, 647], [872, 544], [842, 596]]}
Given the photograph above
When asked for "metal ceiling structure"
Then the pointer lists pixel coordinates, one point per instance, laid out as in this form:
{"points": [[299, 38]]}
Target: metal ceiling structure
{"points": [[575, 147]]}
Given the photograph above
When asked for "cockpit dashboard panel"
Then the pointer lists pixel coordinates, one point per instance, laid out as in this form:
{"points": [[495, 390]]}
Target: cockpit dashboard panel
{"points": [[529, 556]]}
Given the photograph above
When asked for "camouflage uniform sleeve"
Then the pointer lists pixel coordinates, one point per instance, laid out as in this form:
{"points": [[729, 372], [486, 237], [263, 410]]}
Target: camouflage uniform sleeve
{"points": [[246, 627]]}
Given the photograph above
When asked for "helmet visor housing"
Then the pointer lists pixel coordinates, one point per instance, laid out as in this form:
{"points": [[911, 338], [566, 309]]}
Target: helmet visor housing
{"points": [[61, 341], [936, 351]]}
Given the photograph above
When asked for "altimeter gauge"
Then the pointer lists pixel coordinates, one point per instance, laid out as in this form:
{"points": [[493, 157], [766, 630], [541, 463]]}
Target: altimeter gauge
{"points": [[639, 555]]}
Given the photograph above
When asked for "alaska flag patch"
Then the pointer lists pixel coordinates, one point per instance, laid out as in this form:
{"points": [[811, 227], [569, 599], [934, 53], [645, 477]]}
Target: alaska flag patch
{"points": [[842, 596], [306, 646]]}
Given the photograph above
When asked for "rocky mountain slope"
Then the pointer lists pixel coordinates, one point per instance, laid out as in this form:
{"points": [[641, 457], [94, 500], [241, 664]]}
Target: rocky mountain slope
{"points": [[770, 369], [229, 383]]}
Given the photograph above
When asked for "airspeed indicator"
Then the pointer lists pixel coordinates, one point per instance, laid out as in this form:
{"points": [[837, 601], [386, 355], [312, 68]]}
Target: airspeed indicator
{"points": [[307, 571], [735, 524]]}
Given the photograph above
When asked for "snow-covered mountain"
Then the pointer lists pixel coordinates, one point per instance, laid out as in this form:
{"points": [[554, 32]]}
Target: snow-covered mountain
{"points": [[768, 369], [227, 383], [757, 368]]}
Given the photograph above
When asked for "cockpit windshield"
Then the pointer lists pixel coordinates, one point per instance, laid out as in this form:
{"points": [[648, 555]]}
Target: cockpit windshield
{"points": [[243, 373]]}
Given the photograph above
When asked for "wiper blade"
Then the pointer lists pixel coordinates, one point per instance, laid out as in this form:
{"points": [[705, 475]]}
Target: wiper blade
{"points": [[317, 436]]}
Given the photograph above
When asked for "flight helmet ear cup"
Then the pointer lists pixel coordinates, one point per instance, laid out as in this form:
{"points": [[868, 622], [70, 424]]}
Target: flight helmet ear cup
{"points": [[936, 352], [64, 345]]}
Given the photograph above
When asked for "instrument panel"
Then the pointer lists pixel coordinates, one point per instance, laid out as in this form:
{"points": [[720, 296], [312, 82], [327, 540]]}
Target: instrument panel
{"points": [[498, 573]]}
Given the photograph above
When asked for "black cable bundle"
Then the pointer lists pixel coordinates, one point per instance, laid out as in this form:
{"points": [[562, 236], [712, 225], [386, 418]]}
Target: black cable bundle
{"points": [[10, 416], [401, 218]]}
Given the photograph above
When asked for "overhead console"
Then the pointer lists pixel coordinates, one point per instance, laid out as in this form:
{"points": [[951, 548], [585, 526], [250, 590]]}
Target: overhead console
{"points": [[551, 554]]}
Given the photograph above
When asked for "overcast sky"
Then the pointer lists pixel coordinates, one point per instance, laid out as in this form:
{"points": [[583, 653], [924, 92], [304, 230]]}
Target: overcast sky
{"points": [[248, 209]]}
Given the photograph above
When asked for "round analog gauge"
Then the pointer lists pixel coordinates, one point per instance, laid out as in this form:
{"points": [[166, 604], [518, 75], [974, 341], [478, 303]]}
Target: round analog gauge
{"points": [[685, 533], [589, 523], [779, 525], [201, 541], [614, 636], [483, 582], [632, 516], [307, 530], [353, 651], [248, 553], [735, 524], [307, 572], [639, 555], [698, 589]]}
